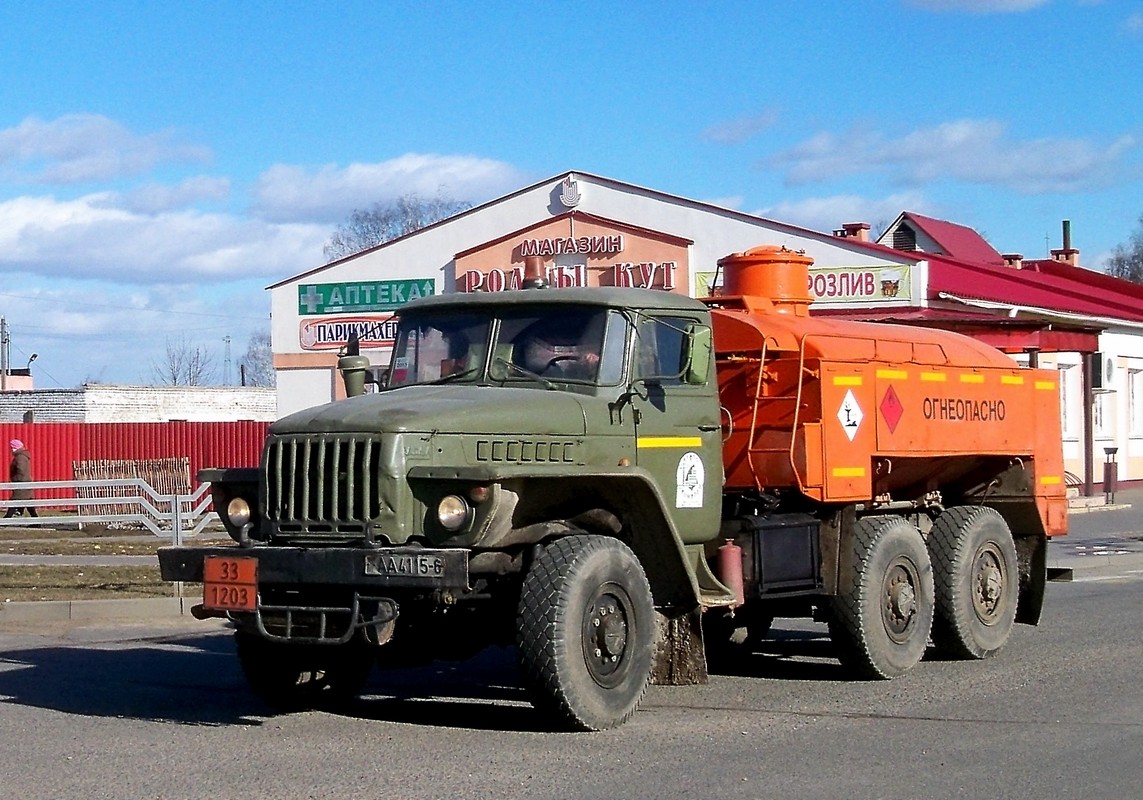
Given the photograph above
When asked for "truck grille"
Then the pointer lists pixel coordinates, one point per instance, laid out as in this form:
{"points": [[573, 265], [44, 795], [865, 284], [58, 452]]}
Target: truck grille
{"points": [[322, 485]]}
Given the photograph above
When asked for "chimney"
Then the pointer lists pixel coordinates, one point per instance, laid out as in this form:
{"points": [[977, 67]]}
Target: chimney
{"points": [[853, 230], [1014, 260], [1067, 254]]}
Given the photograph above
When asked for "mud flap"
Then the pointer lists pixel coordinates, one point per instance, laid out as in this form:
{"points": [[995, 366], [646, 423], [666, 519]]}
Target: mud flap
{"points": [[1032, 553], [679, 656]]}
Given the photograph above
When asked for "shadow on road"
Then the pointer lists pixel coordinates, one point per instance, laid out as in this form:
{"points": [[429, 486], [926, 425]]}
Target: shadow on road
{"points": [[791, 655], [190, 680], [196, 680]]}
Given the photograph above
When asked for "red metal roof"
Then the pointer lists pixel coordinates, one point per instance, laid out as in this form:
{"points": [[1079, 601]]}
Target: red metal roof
{"points": [[959, 242], [1073, 290]]}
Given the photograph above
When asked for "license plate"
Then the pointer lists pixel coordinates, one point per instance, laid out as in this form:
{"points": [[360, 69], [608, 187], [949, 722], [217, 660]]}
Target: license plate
{"points": [[230, 583], [404, 565]]}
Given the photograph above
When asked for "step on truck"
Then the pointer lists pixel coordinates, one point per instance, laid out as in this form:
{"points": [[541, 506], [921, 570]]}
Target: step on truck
{"points": [[629, 484]]}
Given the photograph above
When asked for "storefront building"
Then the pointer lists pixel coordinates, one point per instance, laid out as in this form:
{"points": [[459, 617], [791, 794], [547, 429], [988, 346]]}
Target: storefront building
{"points": [[594, 231]]}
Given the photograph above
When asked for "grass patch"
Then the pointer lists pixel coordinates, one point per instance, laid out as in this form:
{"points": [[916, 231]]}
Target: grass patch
{"points": [[86, 583], [86, 547]]}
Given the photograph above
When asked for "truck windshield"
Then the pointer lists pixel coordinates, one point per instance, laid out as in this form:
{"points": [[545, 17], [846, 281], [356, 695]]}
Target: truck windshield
{"points": [[438, 347], [509, 345]]}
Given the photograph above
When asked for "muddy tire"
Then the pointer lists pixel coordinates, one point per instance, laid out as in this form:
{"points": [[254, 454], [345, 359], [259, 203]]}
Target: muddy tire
{"points": [[586, 632], [977, 582], [881, 618], [295, 677]]}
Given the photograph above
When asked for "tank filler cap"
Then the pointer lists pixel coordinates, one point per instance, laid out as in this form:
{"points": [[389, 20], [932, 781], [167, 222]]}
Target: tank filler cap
{"points": [[773, 272]]}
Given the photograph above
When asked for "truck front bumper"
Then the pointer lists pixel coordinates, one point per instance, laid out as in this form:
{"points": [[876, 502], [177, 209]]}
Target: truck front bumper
{"points": [[372, 569], [315, 595]]}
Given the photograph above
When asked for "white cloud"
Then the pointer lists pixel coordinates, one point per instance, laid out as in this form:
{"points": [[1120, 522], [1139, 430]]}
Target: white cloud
{"points": [[329, 193], [154, 198], [1133, 25], [978, 6], [973, 151], [92, 237], [830, 213], [736, 131], [83, 147]]}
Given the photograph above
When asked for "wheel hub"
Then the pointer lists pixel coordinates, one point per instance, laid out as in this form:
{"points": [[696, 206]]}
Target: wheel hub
{"points": [[606, 633], [899, 608], [988, 583]]}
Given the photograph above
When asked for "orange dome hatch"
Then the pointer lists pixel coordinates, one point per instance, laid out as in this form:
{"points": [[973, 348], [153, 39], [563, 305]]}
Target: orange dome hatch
{"points": [[773, 272]]}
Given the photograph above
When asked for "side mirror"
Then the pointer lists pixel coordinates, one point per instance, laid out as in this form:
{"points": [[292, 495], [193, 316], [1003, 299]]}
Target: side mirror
{"points": [[354, 371], [696, 354]]}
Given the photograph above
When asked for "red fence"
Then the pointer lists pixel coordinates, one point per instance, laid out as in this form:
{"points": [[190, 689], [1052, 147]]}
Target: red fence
{"points": [[55, 445]]}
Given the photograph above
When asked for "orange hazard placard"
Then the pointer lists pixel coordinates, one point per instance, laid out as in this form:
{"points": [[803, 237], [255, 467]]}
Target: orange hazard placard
{"points": [[230, 583]]}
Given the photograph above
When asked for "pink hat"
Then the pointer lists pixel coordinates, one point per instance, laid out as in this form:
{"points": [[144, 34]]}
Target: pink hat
{"points": [[16, 444]]}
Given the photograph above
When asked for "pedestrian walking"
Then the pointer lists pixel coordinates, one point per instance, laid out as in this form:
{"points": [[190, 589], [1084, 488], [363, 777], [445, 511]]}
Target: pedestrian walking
{"points": [[20, 470]]}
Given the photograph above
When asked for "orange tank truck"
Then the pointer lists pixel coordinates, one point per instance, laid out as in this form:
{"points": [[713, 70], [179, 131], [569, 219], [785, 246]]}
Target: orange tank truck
{"points": [[936, 435], [628, 484]]}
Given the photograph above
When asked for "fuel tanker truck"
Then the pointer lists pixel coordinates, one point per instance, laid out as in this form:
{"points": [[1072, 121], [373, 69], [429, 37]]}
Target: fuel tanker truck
{"points": [[628, 485]]}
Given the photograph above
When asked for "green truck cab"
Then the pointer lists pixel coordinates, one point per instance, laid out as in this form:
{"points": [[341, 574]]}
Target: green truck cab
{"points": [[539, 467]]}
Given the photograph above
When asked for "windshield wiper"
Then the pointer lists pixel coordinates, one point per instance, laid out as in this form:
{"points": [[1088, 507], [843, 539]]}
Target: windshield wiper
{"points": [[455, 376], [527, 373]]}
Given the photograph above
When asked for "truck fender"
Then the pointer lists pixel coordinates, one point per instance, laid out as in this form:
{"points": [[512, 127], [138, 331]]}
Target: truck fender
{"points": [[594, 502]]}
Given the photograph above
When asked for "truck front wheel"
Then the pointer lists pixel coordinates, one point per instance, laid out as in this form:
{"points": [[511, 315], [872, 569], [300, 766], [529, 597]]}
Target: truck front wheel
{"points": [[977, 580], [586, 631], [883, 612], [294, 677]]}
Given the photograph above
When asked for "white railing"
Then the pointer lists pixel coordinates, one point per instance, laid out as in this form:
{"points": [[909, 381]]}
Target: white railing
{"points": [[113, 500]]}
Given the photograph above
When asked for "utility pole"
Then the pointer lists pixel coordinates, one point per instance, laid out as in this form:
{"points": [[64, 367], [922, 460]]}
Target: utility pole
{"points": [[226, 363], [5, 345]]}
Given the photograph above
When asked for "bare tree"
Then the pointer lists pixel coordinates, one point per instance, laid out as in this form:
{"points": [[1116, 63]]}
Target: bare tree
{"points": [[384, 221], [1126, 260], [185, 365], [258, 363]]}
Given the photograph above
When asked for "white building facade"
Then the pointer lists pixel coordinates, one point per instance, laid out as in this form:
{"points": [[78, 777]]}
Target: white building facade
{"points": [[589, 230]]}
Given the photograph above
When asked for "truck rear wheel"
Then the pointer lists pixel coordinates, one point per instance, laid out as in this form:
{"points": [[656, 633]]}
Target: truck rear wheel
{"points": [[883, 612], [586, 631], [294, 677], [977, 581]]}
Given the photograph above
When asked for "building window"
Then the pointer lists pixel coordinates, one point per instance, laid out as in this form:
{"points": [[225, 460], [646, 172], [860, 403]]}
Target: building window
{"points": [[1135, 401], [1099, 414], [1068, 374]]}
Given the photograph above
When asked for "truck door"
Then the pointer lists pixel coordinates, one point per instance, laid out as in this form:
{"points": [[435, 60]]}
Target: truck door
{"points": [[677, 426]]}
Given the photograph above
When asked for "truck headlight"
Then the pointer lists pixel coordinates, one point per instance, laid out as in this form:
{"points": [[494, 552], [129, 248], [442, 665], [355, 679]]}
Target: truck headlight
{"points": [[454, 512], [238, 512]]}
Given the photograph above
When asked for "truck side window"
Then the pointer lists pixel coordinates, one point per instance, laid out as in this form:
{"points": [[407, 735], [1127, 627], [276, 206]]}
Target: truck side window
{"points": [[614, 342], [659, 349]]}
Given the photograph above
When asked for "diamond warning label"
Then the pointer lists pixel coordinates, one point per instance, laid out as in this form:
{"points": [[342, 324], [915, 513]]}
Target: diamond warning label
{"points": [[850, 415], [891, 409]]}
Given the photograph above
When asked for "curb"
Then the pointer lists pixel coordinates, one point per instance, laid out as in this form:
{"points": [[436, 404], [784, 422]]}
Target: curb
{"points": [[1091, 509], [151, 608], [1096, 563]]}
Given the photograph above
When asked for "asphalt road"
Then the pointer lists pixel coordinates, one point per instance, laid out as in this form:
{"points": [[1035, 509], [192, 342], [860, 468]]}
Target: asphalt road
{"points": [[142, 711]]}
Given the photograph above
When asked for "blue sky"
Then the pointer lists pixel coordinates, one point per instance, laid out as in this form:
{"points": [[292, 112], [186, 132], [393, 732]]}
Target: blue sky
{"points": [[162, 163]]}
